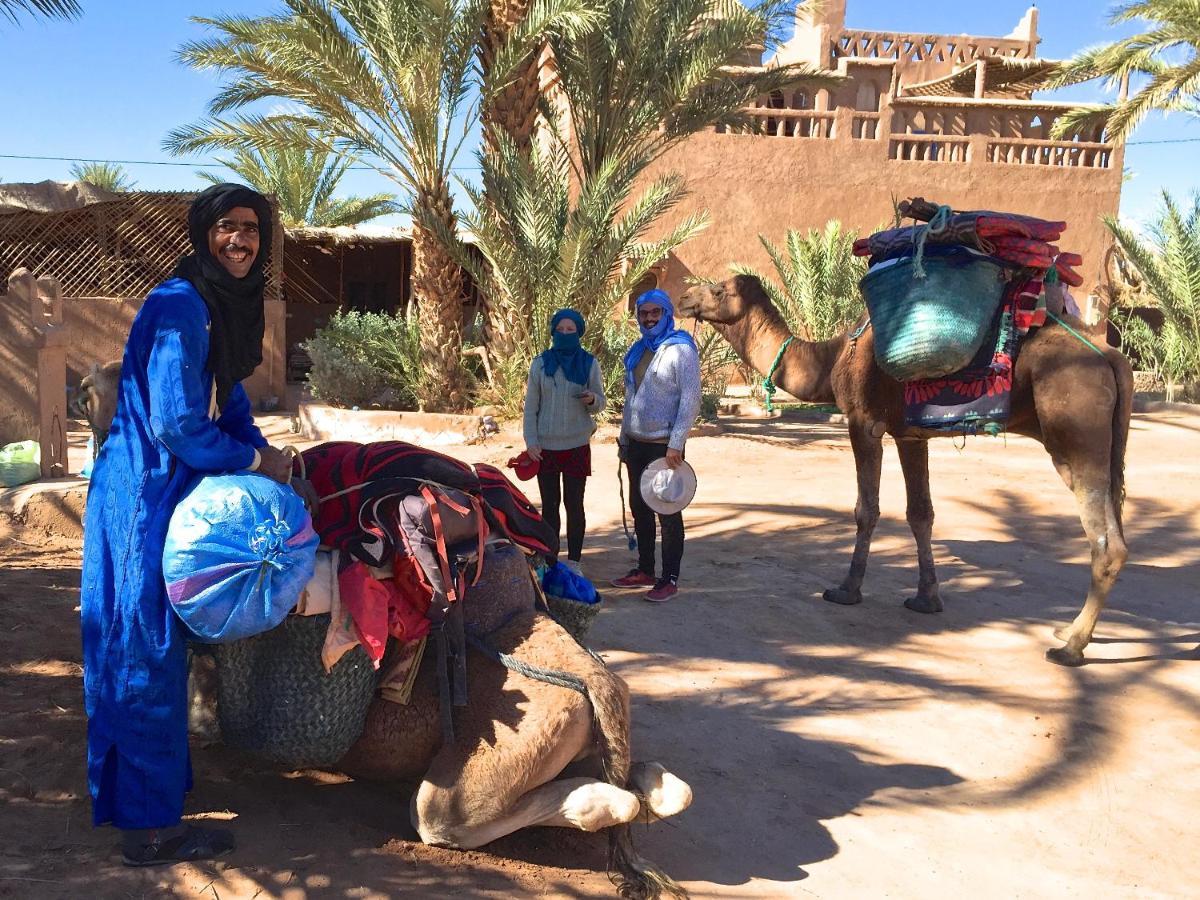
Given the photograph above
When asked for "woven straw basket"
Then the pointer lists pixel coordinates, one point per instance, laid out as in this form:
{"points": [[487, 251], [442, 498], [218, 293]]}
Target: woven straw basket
{"points": [[575, 616], [932, 326], [275, 700]]}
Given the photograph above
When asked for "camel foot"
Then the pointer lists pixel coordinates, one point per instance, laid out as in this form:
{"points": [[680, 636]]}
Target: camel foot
{"points": [[665, 794], [842, 597], [1065, 656], [924, 604]]}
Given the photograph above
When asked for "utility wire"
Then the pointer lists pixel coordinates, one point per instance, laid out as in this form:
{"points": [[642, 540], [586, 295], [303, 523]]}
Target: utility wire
{"points": [[216, 165], [162, 162]]}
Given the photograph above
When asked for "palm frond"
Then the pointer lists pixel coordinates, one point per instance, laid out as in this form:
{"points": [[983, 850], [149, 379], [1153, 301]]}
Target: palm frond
{"points": [[106, 176], [1166, 55], [50, 9], [818, 275], [1168, 263]]}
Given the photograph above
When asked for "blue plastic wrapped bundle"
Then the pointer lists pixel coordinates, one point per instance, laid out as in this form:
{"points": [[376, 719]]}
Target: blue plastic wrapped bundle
{"points": [[573, 600], [239, 551]]}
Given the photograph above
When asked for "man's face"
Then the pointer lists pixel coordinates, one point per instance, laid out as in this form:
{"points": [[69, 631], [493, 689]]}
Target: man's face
{"points": [[233, 240], [649, 314]]}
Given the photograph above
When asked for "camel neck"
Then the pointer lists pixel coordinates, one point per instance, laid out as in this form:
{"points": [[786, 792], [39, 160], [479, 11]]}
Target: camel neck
{"points": [[805, 367]]}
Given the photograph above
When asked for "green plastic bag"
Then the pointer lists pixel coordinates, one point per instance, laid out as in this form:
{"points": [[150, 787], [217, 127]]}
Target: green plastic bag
{"points": [[20, 463]]}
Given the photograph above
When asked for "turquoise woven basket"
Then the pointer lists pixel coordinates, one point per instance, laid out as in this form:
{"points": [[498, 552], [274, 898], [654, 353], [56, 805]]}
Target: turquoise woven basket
{"points": [[932, 326]]}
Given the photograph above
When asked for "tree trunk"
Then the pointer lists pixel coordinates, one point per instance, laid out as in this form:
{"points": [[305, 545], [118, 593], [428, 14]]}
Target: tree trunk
{"points": [[438, 287], [514, 109]]}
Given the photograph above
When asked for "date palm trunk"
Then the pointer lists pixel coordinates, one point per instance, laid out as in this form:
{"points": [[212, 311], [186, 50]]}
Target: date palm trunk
{"points": [[438, 287], [512, 111]]}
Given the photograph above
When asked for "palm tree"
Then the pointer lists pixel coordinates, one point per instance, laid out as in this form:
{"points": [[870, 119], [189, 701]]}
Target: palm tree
{"points": [[51, 9], [303, 182], [560, 225], [106, 176], [1169, 266], [387, 82], [657, 71], [549, 245], [817, 291], [1168, 54]]}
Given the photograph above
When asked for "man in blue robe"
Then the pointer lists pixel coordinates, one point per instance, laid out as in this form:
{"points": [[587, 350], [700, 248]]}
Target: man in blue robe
{"points": [[181, 410]]}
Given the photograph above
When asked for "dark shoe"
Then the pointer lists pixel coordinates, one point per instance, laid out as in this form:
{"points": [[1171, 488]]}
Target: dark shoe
{"points": [[635, 578], [664, 589], [194, 844]]}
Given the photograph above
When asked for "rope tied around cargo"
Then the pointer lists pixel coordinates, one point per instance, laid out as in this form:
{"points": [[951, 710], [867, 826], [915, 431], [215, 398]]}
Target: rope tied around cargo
{"points": [[1074, 333], [936, 225]]}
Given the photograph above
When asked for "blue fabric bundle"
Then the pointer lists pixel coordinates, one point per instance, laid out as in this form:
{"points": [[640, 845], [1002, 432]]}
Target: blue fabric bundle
{"points": [[559, 581], [239, 551]]}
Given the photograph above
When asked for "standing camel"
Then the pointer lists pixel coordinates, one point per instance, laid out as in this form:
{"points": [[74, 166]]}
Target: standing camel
{"points": [[1074, 400]]}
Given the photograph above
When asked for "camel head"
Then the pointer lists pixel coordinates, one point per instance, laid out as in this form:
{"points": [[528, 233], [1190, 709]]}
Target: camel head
{"points": [[97, 398], [722, 303]]}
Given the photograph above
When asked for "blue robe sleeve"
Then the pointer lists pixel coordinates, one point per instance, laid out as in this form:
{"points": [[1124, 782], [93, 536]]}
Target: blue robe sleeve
{"points": [[237, 420], [179, 399]]}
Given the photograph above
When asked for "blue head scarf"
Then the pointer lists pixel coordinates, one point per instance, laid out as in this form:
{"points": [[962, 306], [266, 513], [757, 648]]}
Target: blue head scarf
{"points": [[661, 335], [565, 351]]}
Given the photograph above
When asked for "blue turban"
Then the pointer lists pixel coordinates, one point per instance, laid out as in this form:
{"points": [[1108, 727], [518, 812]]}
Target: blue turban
{"points": [[661, 335]]}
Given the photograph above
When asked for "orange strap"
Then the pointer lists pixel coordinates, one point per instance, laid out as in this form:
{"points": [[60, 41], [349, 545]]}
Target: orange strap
{"points": [[481, 529], [440, 537]]}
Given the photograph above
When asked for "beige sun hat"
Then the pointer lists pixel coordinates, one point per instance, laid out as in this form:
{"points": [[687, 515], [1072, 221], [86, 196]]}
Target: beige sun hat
{"points": [[668, 490]]}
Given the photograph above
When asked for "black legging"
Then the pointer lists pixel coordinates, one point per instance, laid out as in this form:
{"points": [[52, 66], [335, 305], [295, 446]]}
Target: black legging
{"points": [[572, 493], [639, 455]]}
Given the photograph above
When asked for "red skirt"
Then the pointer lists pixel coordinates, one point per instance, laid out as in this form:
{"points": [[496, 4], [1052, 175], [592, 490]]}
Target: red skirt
{"points": [[576, 462]]}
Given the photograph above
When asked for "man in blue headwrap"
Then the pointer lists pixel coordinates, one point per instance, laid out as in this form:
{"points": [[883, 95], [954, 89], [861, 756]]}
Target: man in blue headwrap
{"points": [[181, 410], [564, 394], [662, 399]]}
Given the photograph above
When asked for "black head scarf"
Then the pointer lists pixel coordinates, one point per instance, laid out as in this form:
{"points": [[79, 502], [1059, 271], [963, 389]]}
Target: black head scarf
{"points": [[235, 305]]}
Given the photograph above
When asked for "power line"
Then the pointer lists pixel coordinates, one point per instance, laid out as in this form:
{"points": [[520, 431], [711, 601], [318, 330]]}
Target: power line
{"points": [[217, 165], [163, 162], [1164, 141]]}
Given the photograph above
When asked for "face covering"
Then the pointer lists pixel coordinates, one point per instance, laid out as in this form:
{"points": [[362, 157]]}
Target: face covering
{"points": [[566, 352]]}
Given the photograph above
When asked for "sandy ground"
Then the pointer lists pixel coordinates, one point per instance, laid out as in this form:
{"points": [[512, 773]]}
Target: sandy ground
{"points": [[834, 752]]}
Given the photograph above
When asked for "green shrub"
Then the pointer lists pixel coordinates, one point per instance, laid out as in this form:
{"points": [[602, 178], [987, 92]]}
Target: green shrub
{"points": [[366, 359]]}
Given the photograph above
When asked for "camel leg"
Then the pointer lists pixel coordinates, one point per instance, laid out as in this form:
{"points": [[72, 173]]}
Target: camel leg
{"points": [[868, 460], [1101, 523], [582, 803], [914, 461]]}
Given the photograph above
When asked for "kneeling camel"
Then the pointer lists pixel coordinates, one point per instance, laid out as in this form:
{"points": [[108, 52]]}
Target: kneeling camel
{"points": [[1074, 400], [525, 751]]}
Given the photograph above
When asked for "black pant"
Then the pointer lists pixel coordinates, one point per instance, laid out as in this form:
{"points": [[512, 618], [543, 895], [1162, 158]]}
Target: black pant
{"points": [[572, 493], [638, 455]]}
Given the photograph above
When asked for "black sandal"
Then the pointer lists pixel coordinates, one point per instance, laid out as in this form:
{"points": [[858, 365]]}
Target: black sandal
{"points": [[194, 844]]}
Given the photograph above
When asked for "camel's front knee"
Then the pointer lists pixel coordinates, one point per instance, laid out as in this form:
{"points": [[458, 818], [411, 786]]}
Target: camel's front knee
{"points": [[432, 815]]}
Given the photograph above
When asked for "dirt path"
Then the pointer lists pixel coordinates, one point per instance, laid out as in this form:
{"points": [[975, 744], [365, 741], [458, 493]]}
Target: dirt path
{"points": [[835, 752]]}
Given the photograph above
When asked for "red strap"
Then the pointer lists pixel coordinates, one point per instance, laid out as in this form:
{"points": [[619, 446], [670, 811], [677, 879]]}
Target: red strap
{"points": [[440, 537], [481, 528]]}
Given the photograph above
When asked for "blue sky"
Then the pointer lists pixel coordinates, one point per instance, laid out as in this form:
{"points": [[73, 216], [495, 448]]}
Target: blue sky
{"points": [[107, 86]]}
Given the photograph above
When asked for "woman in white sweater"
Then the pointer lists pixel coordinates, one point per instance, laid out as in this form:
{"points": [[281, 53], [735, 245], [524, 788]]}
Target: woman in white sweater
{"points": [[564, 395]]}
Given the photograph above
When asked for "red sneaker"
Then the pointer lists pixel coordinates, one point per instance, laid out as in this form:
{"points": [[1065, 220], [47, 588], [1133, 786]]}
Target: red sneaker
{"points": [[635, 578], [664, 589]]}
